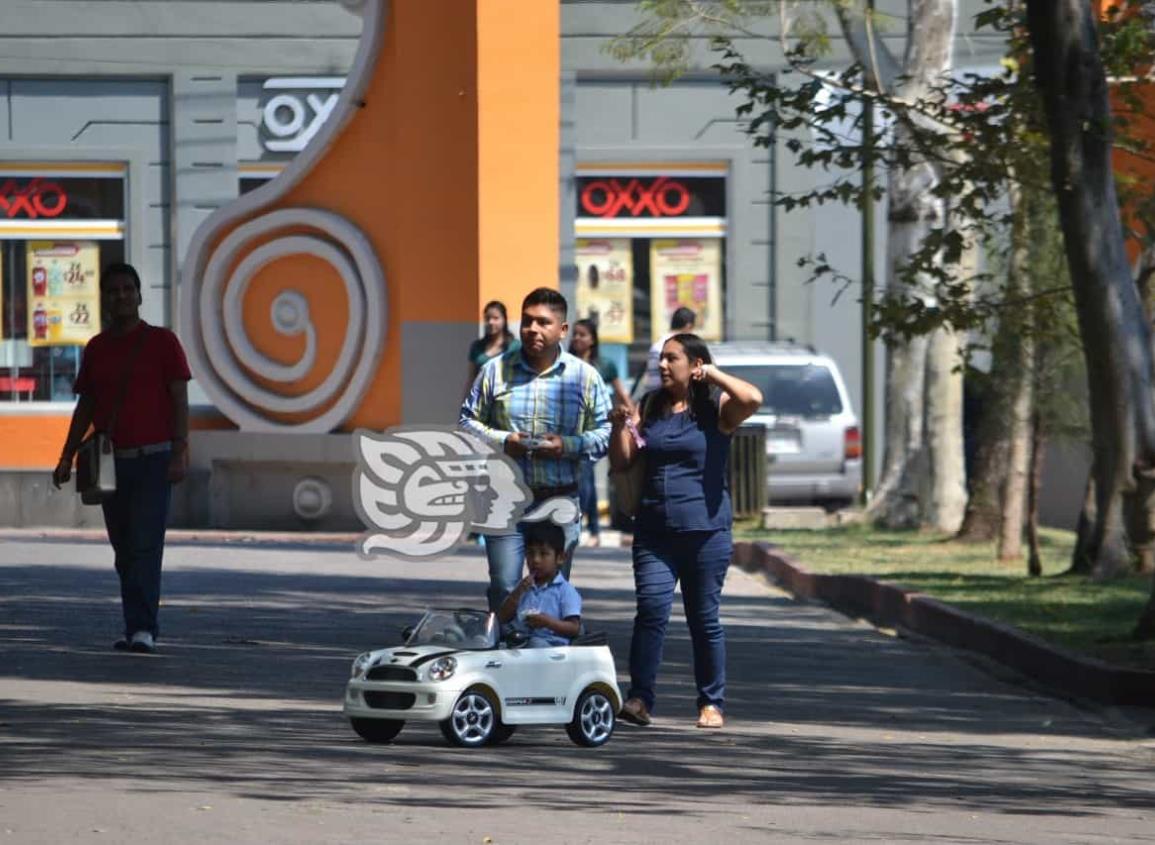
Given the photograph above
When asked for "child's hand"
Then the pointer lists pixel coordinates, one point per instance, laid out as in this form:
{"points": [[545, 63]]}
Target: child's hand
{"points": [[526, 583], [538, 620]]}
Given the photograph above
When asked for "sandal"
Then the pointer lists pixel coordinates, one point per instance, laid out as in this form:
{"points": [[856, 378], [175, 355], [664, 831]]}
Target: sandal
{"points": [[634, 711], [710, 717]]}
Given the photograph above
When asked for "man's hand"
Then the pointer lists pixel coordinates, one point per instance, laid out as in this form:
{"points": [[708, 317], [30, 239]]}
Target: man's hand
{"points": [[551, 446], [62, 473], [178, 463], [514, 446]]}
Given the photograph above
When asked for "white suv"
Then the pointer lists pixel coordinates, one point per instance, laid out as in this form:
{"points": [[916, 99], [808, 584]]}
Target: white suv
{"points": [[813, 439]]}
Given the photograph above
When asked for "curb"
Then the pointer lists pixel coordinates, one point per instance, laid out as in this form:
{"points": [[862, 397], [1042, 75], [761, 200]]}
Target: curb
{"points": [[892, 606]]}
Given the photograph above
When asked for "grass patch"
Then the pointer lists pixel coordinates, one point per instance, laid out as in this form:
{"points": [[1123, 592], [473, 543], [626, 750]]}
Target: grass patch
{"points": [[1069, 610]]}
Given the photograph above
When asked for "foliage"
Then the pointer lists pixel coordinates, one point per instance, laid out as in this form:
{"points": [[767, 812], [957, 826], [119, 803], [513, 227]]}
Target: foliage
{"points": [[981, 134]]}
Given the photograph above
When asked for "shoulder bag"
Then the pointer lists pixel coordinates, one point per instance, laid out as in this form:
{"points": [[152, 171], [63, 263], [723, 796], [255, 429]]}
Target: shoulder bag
{"points": [[95, 460], [627, 483]]}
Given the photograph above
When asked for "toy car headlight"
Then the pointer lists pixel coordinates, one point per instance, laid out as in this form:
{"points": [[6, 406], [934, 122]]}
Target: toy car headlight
{"points": [[442, 668], [361, 665]]}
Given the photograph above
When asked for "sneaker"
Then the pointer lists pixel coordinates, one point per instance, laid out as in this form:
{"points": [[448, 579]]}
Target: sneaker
{"points": [[143, 643]]}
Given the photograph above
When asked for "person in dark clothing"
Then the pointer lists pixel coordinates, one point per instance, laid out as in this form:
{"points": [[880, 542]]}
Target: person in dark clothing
{"points": [[683, 524], [133, 385]]}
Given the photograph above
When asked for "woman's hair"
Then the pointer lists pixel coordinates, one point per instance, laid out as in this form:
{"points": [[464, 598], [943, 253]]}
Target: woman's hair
{"points": [[591, 327], [500, 308], [703, 398]]}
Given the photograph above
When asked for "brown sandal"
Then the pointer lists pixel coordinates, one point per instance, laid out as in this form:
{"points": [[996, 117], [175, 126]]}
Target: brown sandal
{"points": [[635, 712], [710, 717]]}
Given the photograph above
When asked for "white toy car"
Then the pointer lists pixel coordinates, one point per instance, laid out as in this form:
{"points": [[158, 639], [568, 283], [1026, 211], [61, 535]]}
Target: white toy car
{"points": [[454, 670]]}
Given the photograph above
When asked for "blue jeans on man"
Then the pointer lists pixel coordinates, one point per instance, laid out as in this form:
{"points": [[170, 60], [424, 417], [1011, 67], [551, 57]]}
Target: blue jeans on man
{"points": [[699, 559], [506, 556], [136, 517]]}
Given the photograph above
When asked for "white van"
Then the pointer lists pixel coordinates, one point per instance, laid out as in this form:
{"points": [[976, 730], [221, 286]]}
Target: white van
{"points": [[813, 438]]}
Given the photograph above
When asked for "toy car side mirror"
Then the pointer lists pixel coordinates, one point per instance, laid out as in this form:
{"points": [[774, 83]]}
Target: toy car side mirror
{"points": [[516, 639], [407, 632]]}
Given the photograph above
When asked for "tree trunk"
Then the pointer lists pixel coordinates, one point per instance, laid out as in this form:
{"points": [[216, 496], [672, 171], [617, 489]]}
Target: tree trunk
{"points": [[921, 441], [1038, 455], [946, 455], [1115, 333], [1022, 404]]}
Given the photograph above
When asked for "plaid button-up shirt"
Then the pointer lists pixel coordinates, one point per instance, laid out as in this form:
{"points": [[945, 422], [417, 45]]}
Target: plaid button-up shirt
{"points": [[569, 399]]}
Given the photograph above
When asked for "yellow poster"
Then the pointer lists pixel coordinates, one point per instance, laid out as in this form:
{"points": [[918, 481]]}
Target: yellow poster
{"points": [[686, 272], [63, 292], [605, 287]]}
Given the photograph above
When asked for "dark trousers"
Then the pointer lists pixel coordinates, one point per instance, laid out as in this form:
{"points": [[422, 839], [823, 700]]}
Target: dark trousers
{"points": [[588, 495], [136, 516], [699, 559]]}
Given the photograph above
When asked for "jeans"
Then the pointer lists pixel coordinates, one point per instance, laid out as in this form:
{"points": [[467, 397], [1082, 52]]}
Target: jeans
{"points": [[136, 516], [506, 555], [588, 495], [699, 559]]}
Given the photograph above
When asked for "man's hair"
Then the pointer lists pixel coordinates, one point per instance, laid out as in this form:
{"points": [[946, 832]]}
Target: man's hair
{"points": [[545, 533], [683, 318], [548, 297], [120, 268]]}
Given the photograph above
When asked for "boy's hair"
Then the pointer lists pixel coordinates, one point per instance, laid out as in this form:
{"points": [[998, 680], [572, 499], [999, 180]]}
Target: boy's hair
{"points": [[549, 297], [546, 533]]}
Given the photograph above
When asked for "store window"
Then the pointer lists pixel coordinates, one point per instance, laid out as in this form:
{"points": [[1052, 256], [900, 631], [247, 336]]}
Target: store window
{"points": [[59, 224], [650, 239]]}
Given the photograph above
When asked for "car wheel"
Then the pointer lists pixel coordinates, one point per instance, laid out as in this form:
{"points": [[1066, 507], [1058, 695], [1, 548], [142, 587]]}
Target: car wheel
{"points": [[473, 721], [377, 730], [593, 719], [502, 732]]}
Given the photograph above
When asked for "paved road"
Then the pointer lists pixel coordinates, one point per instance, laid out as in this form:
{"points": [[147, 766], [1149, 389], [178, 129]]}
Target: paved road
{"points": [[836, 733]]}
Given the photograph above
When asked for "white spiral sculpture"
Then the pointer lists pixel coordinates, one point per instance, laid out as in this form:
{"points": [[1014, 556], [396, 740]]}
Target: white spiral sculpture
{"points": [[224, 360]]}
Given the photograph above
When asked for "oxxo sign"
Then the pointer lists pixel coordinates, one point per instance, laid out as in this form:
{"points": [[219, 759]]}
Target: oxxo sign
{"points": [[661, 197], [295, 109], [32, 200]]}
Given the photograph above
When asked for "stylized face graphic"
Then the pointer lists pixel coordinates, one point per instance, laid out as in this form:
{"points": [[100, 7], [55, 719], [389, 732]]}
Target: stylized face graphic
{"points": [[427, 489]]}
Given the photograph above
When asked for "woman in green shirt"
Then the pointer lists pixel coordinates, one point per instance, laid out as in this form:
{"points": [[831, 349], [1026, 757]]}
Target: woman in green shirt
{"points": [[585, 346], [497, 341]]}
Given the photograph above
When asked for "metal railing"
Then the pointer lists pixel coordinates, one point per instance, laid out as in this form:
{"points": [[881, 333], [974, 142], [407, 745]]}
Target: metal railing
{"points": [[748, 471]]}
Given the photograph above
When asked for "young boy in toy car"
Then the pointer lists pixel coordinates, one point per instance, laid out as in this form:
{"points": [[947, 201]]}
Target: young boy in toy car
{"points": [[544, 606]]}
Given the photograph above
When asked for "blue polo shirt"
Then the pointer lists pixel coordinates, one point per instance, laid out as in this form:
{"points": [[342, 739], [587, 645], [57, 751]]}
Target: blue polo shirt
{"points": [[558, 599]]}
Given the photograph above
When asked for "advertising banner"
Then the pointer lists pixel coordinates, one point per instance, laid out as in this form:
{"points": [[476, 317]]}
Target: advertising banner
{"points": [[686, 272], [63, 292], [605, 287]]}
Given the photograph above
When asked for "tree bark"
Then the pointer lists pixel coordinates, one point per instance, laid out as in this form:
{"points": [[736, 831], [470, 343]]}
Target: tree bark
{"points": [[1022, 404], [1116, 336], [1038, 455], [922, 475]]}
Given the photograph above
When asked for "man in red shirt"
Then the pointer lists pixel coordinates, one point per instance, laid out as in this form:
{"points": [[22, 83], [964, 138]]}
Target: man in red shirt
{"points": [[133, 384]]}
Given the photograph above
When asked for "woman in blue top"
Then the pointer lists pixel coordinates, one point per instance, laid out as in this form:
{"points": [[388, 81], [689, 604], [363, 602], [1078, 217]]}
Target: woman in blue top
{"points": [[682, 528]]}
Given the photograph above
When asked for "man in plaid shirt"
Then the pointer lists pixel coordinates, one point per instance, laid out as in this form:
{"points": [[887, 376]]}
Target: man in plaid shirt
{"points": [[548, 410]]}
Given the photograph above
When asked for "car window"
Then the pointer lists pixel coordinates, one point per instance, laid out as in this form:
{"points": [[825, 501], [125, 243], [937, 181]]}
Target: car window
{"points": [[465, 629], [793, 390]]}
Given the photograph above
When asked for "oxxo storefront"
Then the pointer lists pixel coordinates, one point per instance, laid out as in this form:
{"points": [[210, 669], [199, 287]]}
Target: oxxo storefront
{"points": [[649, 238]]}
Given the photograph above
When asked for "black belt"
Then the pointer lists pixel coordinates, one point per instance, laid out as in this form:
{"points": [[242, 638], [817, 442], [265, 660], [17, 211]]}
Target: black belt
{"points": [[540, 494]]}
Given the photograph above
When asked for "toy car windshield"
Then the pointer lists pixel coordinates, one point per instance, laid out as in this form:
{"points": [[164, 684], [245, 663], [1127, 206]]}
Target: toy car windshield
{"points": [[463, 629]]}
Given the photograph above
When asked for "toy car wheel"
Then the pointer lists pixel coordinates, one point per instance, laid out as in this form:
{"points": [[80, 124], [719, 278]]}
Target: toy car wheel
{"points": [[502, 732], [377, 730], [593, 719], [473, 721]]}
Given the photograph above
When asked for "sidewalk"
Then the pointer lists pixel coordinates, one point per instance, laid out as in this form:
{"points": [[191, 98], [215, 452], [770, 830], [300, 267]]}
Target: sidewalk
{"points": [[234, 733]]}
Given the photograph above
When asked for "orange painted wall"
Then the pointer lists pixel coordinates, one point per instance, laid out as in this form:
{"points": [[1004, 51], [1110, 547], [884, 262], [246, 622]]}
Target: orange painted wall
{"points": [[451, 170], [519, 217]]}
